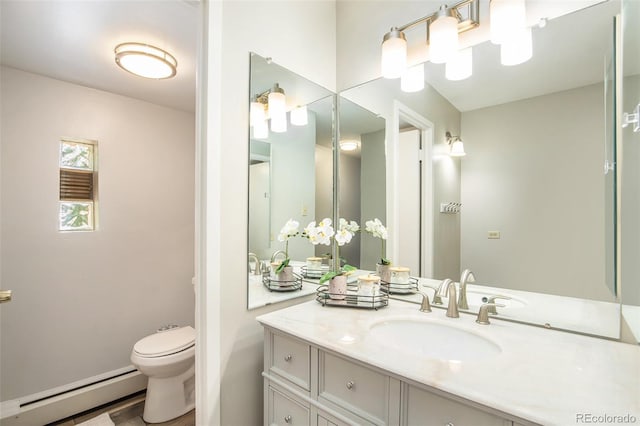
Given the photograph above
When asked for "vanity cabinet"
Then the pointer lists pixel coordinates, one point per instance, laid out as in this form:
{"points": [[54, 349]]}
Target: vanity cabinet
{"points": [[308, 385]]}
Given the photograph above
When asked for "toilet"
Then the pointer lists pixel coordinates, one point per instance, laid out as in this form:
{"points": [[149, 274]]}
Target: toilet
{"points": [[168, 359]]}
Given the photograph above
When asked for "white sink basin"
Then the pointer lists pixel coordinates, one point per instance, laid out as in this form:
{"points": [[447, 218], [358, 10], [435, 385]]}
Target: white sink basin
{"points": [[434, 340]]}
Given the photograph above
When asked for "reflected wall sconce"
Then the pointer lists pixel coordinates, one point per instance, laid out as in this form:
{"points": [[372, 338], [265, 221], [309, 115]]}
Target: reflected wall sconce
{"points": [[271, 105], [145, 60], [508, 29], [455, 145]]}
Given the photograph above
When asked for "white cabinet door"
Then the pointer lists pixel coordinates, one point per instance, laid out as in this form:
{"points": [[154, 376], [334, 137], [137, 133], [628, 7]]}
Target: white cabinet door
{"points": [[427, 409]]}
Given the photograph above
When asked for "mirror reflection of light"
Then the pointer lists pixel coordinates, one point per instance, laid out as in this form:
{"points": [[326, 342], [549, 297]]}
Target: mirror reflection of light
{"points": [[348, 339], [455, 365]]}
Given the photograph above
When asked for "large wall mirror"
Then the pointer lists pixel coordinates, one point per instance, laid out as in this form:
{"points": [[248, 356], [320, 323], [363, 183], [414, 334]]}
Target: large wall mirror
{"points": [[530, 209], [290, 172]]}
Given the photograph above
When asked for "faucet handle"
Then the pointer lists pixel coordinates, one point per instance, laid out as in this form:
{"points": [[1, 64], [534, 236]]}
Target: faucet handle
{"points": [[437, 300], [425, 306], [483, 313], [492, 299]]}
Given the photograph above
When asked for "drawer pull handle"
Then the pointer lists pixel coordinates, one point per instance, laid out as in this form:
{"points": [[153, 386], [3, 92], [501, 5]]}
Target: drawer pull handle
{"points": [[287, 419], [350, 384], [288, 357]]}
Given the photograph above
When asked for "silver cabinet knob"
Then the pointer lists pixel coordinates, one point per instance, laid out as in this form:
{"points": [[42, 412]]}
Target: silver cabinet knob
{"points": [[287, 419], [288, 357], [350, 384]]}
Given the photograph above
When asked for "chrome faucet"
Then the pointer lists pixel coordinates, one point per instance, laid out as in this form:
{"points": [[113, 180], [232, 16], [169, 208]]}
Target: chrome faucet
{"points": [[448, 289], [483, 313], [276, 254], [256, 269], [466, 277]]}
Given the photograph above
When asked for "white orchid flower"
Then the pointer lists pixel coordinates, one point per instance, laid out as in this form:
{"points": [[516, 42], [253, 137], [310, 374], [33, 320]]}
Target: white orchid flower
{"points": [[290, 229], [343, 236], [352, 226]]}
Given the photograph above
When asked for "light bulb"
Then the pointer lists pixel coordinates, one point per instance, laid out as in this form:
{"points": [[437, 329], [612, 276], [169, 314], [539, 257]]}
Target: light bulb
{"points": [[299, 116]]}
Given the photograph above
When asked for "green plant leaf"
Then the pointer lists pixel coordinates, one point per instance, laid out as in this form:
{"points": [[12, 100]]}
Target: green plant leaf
{"points": [[282, 265], [328, 276]]}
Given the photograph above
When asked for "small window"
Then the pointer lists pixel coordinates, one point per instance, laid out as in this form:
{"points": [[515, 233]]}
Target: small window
{"points": [[77, 186]]}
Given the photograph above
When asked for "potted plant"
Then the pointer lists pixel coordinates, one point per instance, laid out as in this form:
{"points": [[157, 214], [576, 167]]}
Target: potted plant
{"points": [[322, 234], [283, 271], [377, 230]]}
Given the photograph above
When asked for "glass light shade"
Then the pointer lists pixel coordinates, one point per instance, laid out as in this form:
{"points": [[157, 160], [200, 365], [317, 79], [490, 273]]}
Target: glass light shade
{"points": [[299, 116], [443, 39], [261, 130], [412, 79], [457, 149], [460, 66], [277, 102], [257, 113], [145, 60], [279, 123], [506, 18], [518, 49], [394, 54], [349, 145]]}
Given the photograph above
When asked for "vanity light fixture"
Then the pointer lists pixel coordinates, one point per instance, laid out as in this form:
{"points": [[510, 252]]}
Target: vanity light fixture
{"points": [[270, 106], [277, 106], [349, 145], [456, 145], [442, 30], [509, 29], [145, 60]]}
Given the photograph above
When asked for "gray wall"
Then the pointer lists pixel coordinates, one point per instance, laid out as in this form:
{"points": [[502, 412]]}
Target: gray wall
{"points": [[373, 200], [534, 172], [82, 299], [349, 202]]}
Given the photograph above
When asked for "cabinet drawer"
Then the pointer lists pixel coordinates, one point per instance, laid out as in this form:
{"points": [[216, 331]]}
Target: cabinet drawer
{"points": [[284, 411], [358, 389], [290, 358], [425, 408]]}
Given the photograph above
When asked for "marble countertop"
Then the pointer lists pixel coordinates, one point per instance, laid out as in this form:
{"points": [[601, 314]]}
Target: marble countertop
{"points": [[545, 376]]}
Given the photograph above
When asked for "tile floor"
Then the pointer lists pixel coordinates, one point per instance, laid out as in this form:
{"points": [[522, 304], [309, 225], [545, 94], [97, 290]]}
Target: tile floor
{"points": [[126, 412]]}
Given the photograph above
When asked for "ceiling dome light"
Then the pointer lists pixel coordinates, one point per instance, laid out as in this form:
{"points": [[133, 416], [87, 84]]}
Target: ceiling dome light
{"points": [[394, 53], [145, 61], [349, 145], [460, 66], [443, 36]]}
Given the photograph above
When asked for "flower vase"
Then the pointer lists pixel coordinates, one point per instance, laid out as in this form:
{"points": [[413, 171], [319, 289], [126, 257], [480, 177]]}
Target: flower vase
{"points": [[338, 287], [384, 272]]}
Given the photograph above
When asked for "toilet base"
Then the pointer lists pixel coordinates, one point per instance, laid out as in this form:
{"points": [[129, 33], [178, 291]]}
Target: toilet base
{"points": [[170, 397]]}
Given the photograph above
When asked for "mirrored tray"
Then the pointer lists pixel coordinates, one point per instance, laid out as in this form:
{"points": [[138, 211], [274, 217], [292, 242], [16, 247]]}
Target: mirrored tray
{"points": [[352, 299], [277, 285]]}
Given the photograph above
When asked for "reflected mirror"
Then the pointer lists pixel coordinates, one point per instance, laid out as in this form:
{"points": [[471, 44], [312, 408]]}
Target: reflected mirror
{"points": [[530, 208], [290, 173]]}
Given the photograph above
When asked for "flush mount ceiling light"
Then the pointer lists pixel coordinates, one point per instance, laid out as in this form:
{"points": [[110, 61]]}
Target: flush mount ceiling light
{"points": [[145, 60], [456, 145], [349, 145]]}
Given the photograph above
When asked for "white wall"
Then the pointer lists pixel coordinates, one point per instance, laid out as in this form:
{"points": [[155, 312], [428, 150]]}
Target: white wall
{"points": [[81, 300], [303, 41], [537, 177]]}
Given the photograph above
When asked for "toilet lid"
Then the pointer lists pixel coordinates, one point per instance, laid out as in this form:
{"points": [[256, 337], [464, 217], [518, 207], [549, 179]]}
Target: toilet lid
{"points": [[166, 342]]}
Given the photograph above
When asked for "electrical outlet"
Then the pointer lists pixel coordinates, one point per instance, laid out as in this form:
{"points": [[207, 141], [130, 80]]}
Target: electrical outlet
{"points": [[493, 235]]}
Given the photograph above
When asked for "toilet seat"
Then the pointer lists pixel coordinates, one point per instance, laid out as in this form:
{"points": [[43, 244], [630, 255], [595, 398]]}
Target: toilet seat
{"points": [[165, 343]]}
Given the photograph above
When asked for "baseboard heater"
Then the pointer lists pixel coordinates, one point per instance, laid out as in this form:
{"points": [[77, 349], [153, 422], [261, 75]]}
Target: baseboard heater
{"points": [[64, 401]]}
